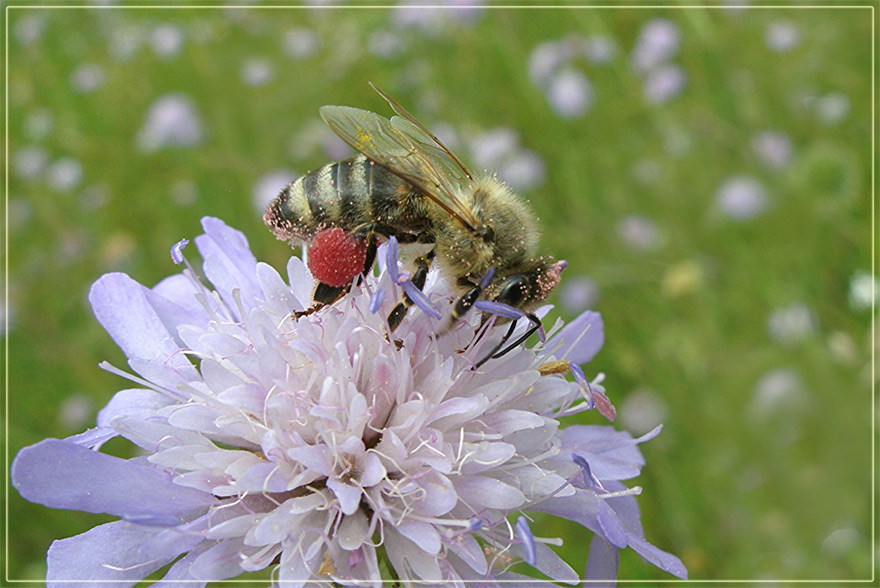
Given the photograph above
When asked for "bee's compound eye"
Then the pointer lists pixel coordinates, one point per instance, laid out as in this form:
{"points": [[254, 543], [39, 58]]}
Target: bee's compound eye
{"points": [[512, 291]]}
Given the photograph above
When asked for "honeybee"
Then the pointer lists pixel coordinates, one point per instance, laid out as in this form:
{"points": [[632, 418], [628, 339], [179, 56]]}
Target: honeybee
{"points": [[405, 183]]}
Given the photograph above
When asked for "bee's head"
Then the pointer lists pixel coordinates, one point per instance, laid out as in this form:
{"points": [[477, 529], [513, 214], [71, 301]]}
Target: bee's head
{"points": [[532, 284]]}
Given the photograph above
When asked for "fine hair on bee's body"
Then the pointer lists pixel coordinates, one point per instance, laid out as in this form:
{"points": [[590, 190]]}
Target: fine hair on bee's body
{"points": [[405, 184]]}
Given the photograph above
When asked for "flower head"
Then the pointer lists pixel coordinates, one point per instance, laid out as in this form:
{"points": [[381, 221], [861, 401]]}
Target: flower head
{"points": [[325, 447]]}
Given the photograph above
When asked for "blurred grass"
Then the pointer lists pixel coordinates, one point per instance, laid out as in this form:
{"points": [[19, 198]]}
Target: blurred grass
{"points": [[736, 492]]}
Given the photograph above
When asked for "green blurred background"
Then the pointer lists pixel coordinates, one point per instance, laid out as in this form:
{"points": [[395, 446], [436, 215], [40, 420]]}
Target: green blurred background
{"points": [[705, 171]]}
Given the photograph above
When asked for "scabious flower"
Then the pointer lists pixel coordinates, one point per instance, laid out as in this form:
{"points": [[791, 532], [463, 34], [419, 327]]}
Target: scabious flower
{"points": [[325, 448]]}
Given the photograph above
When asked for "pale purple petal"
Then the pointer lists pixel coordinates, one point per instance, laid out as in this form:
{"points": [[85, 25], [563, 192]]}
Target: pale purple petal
{"points": [[613, 455], [182, 291], [404, 553], [229, 263], [422, 534], [130, 314], [580, 339], [468, 549], [64, 475], [219, 562], [548, 563], [489, 492], [663, 560], [93, 438], [107, 553], [354, 531], [132, 402], [581, 507], [601, 564], [612, 528], [179, 576], [349, 497]]}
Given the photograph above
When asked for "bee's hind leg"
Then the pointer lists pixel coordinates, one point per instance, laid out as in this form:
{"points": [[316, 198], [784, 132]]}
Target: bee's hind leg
{"points": [[326, 295]]}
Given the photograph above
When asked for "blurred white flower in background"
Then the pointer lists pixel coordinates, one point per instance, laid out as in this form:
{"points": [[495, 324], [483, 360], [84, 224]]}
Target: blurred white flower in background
{"points": [[863, 289], [257, 71], [268, 187], [782, 36], [639, 232], [172, 121], [65, 174], [300, 42], [791, 324], [166, 41], [88, 77], [30, 162], [741, 197]]}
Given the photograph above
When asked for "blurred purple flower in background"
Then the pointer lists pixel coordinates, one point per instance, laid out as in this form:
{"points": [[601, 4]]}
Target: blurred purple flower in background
{"points": [[657, 43], [319, 447], [773, 148]]}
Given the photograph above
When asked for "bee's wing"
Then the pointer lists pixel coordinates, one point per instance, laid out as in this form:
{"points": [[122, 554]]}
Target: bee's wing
{"points": [[407, 151], [425, 139]]}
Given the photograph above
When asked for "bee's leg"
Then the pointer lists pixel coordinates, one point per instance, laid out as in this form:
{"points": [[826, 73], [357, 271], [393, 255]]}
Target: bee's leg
{"points": [[495, 353], [423, 264], [372, 246], [324, 295], [506, 303]]}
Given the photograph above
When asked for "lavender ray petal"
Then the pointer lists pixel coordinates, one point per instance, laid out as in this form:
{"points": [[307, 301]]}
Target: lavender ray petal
{"points": [[663, 560], [187, 310], [601, 564], [107, 553], [470, 552], [301, 281], [130, 313], [488, 492], [549, 564], [179, 576], [581, 339], [60, 474], [349, 497], [581, 507], [627, 509], [613, 455], [93, 438], [612, 528], [422, 534], [219, 562], [229, 263], [137, 402], [404, 553]]}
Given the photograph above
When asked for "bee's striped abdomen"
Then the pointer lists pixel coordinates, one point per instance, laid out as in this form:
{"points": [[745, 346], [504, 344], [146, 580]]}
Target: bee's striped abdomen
{"points": [[353, 194]]}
